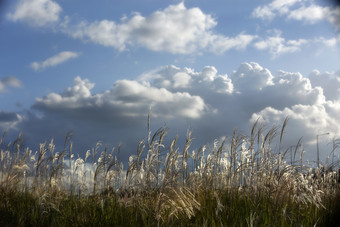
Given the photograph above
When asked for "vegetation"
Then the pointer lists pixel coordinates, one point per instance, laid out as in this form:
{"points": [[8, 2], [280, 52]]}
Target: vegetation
{"points": [[237, 182]]}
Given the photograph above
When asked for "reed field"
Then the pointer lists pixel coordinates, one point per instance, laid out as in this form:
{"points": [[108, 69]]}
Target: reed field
{"points": [[237, 181]]}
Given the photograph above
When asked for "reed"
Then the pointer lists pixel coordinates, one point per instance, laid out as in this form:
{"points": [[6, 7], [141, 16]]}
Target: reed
{"points": [[238, 181]]}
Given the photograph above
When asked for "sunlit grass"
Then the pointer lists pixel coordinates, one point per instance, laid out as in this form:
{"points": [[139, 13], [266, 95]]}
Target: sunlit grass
{"points": [[241, 182]]}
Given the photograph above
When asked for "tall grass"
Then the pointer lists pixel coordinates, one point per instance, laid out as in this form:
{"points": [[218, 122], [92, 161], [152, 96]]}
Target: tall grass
{"points": [[239, 181]]}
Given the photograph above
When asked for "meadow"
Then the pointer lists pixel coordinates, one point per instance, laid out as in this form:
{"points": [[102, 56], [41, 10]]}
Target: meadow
{"points": [[240, 181]]}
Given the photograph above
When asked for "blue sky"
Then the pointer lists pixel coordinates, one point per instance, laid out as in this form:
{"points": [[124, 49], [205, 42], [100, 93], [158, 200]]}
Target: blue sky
{"points": [[96, 67]]}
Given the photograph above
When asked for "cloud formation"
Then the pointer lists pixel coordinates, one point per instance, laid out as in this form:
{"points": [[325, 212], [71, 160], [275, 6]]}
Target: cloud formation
{"points": [[304, 120], [269, 11], [37, 13], [330, 82], [128, 98], [301, 10], [209, 103], [315, 13], [312, 13], [9, 81], [175, 29], [277, 45], [9, 120], [165, 31], [55, 60]]}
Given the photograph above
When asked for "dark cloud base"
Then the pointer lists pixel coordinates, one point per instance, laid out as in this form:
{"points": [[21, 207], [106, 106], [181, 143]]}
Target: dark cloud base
{"points": [[335, 2], [210, 104]]}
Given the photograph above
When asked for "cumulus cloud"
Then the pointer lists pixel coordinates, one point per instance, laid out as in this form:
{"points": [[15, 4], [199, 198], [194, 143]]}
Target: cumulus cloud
{"points": [[175, 29], [117, 115], [249, 92], [129, 98], [251, 77], [55, 60], [329, 82], [209, 103], [9, 81], [176, 79], [304, 120], [36, 12]]}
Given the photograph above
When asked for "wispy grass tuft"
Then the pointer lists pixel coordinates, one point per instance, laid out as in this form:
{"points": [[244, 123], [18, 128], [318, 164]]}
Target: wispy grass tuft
{"points": [[240, 181]]}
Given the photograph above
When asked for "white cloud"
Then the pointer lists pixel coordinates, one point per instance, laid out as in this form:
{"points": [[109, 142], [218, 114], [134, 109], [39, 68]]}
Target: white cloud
{"points": [[281, 4], [269, 11], [130, 98], [277, 45], [36, 12], [297, 89], [251, 76], [220, 44], [304, 120], [174, 93], [312, 13], [263, 12], [181, 80], [9, 81], [211, 104], [331, 42], [315, 13], [176, 79], [106, 33], [249, 89], [330, 83], [301, 10], [175, 29], [55, 60]]}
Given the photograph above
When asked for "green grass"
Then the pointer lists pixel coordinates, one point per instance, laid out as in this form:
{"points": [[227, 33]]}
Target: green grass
{"points": [[220, 208]]}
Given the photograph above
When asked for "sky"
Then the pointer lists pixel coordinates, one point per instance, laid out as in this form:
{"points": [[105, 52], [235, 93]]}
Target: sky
{"points": [[96, 68]]}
